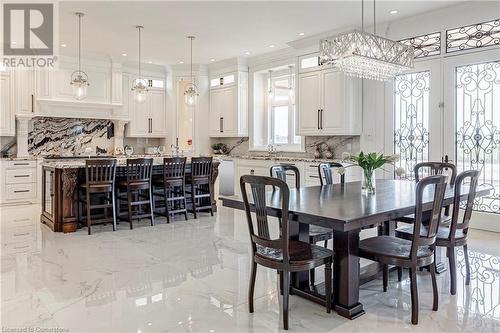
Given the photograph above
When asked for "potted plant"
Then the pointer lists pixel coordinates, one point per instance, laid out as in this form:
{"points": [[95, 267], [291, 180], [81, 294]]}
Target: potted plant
{"points": [[369, 163]]}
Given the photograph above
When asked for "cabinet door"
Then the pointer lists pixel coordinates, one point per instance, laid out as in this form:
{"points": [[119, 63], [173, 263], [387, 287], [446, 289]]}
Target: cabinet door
{"points": [[25, 90], [333, 106], [158, 112], [7, 126], [309, 103], [216, 106], [229, 111], [139, 117]]}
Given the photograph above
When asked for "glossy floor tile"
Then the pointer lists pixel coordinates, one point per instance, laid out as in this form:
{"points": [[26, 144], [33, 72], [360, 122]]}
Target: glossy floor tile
{"points": [[193, 277]]}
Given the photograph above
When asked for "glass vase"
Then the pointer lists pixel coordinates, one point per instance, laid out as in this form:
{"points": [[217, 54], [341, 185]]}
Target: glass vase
{"points": [[368, 183]]}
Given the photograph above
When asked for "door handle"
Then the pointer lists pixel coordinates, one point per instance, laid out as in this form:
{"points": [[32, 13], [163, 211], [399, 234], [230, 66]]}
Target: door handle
{"points": [[222, 124]]}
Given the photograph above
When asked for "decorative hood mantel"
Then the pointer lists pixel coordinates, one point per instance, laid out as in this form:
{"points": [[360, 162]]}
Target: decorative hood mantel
{"points": [[76, 109]]}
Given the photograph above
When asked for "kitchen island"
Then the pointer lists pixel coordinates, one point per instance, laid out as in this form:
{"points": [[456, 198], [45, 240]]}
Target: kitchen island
{"points": [[61, 179]]}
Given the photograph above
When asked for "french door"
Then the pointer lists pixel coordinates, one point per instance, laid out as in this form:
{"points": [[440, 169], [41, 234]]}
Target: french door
{"points": [[471, 131]]}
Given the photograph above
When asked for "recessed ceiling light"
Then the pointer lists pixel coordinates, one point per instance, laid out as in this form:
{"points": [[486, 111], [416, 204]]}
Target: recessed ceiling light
{"points": [[150, 62], [247, 52], [271, 46], [149, 324], [181, 62], [393, 12], [301, 33], [13, 42], [212, 60], [63, 45], [124, 54]]}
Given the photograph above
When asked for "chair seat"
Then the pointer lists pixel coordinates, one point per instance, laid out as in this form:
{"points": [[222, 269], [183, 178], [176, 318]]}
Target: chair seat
{"points": [[318, 234], [406, 232], [411, 218], [299, 252], [97, 187], [389, 247], [134, 185]]}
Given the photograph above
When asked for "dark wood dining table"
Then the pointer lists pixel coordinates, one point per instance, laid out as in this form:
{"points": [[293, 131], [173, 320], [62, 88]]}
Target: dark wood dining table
{"points": [[345, 210]]}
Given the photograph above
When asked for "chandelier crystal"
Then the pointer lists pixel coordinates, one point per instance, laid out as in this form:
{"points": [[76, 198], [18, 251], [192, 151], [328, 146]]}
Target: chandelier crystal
{"points": [[364, 55], [140, 86], [79, 79], [191, 92]]}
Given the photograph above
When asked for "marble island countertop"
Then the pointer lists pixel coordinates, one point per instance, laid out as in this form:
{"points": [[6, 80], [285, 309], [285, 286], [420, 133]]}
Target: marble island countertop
{"points": [[278, 158]]}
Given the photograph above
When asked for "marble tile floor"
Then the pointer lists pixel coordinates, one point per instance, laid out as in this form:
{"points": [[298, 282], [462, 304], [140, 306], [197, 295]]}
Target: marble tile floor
{"points": [[193, 277]]}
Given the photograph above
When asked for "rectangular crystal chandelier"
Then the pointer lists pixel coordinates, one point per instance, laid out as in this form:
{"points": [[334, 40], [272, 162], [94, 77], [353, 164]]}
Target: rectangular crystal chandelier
{"points": [[364, 55]]}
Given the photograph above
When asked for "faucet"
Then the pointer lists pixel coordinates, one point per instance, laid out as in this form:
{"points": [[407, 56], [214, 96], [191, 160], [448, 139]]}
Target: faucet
{"points": [[176, 149], [271, 149]]}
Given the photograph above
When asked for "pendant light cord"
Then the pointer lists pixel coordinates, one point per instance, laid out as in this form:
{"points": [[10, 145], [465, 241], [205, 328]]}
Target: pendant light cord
{"points": [[362, 15], [374, 22], [140, 53], [79, 41], [191, 59]]}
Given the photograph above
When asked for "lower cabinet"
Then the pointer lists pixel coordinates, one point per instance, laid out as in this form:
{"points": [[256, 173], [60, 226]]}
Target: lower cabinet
{"points": [[19, 182]]}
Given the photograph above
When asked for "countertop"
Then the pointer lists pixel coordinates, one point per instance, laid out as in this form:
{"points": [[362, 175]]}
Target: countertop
{"points": [[278, 158]]}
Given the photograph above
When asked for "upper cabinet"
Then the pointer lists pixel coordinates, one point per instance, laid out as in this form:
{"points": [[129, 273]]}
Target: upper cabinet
{"points": [[329, 103], [148, 119], [229, 105], [7, 120]]}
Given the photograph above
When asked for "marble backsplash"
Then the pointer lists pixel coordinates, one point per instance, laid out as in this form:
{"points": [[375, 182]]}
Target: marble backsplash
{"points": [[313, 144]]}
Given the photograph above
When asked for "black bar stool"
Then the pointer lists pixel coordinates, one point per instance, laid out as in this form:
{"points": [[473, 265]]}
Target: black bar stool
{"points": [[136, 190], [200, 186], [100, 183], [171, 187]]}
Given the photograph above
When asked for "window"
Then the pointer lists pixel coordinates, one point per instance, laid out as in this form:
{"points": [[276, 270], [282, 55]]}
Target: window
{"points": [[281, 111], [309, 62]]}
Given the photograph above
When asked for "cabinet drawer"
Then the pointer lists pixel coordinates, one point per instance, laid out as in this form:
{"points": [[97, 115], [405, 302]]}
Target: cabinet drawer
{"points": [[21, 247], [20, 164], [19, 234], [20, 175], [20, 191]]}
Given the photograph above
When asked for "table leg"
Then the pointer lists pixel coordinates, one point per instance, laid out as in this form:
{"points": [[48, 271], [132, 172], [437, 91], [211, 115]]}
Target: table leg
{"points": [[346, 274], [299, 231]]}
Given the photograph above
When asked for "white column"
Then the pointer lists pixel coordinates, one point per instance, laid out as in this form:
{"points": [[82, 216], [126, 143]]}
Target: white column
{"points": [[22, 129], [119, 129]]}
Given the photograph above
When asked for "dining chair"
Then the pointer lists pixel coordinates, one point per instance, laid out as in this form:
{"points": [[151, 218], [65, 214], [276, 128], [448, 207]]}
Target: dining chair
{"points": [[414, 253], [326, 171], [99, 182], [136, 190], [455, 234], [171, 187], [279, 253], [200, 187], [280, 171]]}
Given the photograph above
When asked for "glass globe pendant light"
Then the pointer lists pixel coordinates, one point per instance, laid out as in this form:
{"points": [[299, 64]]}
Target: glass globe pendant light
{"points": [[140, 86], [191, 93], [79, 79]]}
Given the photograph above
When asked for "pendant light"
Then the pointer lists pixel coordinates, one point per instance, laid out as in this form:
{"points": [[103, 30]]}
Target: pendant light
{"points": [[191, 93], [365, 55], [140, 87], [291, 94], [79, 79]]}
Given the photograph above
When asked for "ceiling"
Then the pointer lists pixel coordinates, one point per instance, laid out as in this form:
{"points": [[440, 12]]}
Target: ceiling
{"points": [[223, 29]]}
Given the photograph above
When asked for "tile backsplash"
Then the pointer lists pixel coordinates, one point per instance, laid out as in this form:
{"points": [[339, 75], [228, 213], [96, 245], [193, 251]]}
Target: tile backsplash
{"points": [[313, 144]]}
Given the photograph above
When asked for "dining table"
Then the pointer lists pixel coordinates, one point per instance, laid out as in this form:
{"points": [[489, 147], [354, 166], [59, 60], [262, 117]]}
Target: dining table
{"points": [[346, 210]]}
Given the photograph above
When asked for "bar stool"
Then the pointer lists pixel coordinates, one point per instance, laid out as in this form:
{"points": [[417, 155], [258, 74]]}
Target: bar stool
{"points": [[171, 187], [136, 190], [99, 182], [200, 186]]}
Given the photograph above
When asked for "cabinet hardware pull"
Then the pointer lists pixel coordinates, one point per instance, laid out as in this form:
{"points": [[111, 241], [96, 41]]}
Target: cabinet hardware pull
{"points": [[32, 103], [23, 234], [21, 191], [321, 114], [21, 247], [252, 172], [19, 176], [221, 125], [21, 164], [318, 120]]}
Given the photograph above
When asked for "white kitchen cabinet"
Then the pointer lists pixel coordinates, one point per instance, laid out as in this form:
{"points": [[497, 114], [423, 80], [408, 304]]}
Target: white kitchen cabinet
{"points": [[229, 107], [25, 90], [19, 181], [329, 103], [7, 117], [149, 118]]}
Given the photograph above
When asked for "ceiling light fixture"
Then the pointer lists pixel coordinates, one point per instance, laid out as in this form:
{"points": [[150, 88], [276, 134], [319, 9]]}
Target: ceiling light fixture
{"points": [[271, 46], [150, 62], [247, 52], [124, 54], [181, 62], [301, 34], [212, 60], [63, 45], [191, 93], [140, 86], [361, 54], [79, 79], [392, 12]]}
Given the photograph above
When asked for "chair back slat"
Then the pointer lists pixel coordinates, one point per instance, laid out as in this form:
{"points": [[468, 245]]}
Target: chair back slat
{"points": [[100, 171], [174, 168], [258, 186], [325, 172], [279, 171], [139, 169], [435, 168], [469, 178], [437, 184]]}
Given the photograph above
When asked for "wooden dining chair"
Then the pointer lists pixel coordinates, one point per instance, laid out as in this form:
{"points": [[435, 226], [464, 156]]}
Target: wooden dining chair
{"points": [[455, 234], [136, 190], [280, 171], [326, 171], [414, 253], [171, 187], [200, 186], [99, 182], [279, 253]]}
